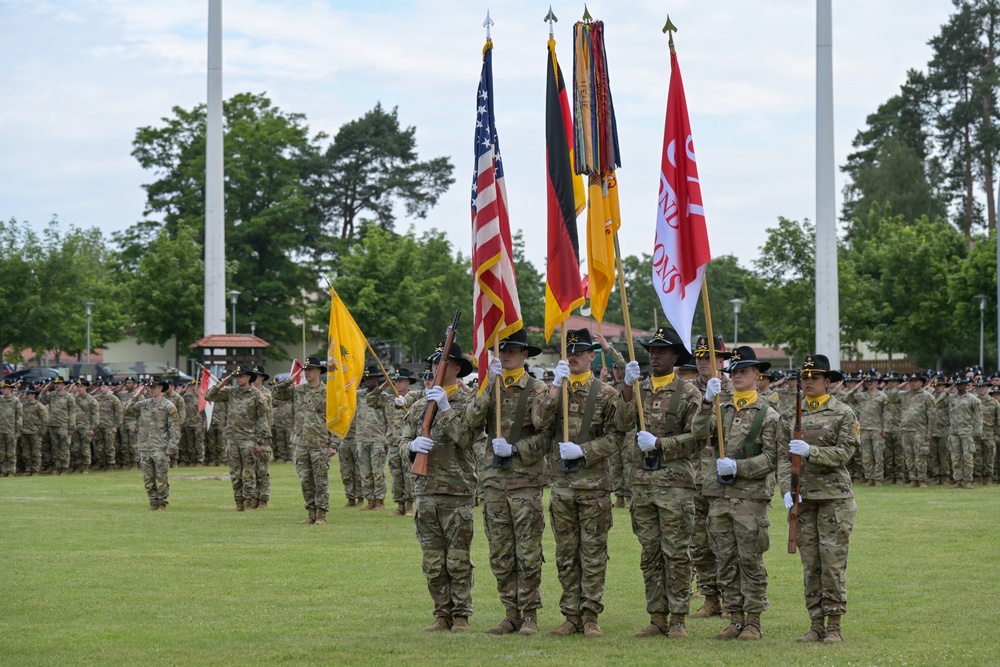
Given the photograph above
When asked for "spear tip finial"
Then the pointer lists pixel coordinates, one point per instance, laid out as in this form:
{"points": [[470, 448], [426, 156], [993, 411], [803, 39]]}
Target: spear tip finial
{"points": [[586, 14], [487, 23], [669, 25], [550, 17]]}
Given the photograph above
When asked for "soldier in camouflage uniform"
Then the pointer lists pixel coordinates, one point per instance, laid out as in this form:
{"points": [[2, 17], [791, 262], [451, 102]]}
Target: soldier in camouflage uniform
{"points": [[895, 466], [127, 452], [263, 451], [987, 444], [580, 506], [371, 443], [394, 410], [34, 423], [830, 434], [62, 422], [739, 492], [706, 566], [282, 429], [665, 464], [194, 428], [916, 415], [247, 426], [11, 422], [443, 498], [111, 414], [767, 393], [313, 442], [159, 433], [513, 475], [216, 449], [939, 460], [965, 424], [868, 403], [621, 462], [88, 416], [177, 399], [347, 452]]}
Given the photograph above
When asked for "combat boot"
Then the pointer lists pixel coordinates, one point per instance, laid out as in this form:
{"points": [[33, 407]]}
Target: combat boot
{"points": [[816, 632], [85, 470], [320, 517], [619, 502], [591, 630], [571, 626], [370, 506], [439, 625], [509, 625], [163, 506], [628, 501], [239, 506], [966, 485], [870, 482], [735, 626], [956, 485], [710, 608], [677, 629], [833, 635], [878, 482], [248, 504], [460, 624], [310, 519], [350, 502], [153, 507], [658, 625], [751, 628], [529, 626], [262, 504], [400, 509], [912, 484], [922, 485], [409, 508], [380, 505], [987, 480]]}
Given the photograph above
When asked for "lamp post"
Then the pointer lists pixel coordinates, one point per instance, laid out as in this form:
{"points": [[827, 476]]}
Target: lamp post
{"points": [[233, 296], [737, 305], [90, 309], [982, 309], [253, 328]]}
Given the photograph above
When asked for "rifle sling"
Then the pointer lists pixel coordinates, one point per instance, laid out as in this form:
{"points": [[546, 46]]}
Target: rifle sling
{"points": [[749, 448], [519, 412]]}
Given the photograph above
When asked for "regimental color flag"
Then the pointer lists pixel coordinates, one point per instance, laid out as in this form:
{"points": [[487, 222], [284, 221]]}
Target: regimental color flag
{"points": [[345, 363], [680, 248], [566, 200], [496, 309], [297, 366], [206, 382]]}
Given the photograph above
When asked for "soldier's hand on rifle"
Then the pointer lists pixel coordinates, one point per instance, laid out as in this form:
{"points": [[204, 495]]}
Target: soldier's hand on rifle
{"points": [[494, 369], [330, 451], [502, 448], [713, 389], [570, 451], [421, 444], [646, 441], [725, 467], [799, 448], [439, 396], [561, 373], [789, 502], [632, 372], [398, 401]]}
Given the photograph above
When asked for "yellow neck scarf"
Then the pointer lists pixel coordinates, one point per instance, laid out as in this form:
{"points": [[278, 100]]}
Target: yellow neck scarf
{"points": [[512, 377], [662, 381], [817, 402], [576, 382], [741, 399], [450, 391]]}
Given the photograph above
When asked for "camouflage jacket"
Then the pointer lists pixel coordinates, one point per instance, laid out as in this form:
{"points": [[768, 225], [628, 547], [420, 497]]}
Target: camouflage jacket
{"points": [[178, 400], [754, 471], [916, 413], [220, 415], [124, 396], [88, 412], [192, 418], [594, 470], [11, 416], [991, 417], [370, 421], [62, 409], [893, 409], [707, 452], [451, 465], [308, 413], [246, 416], [527, 467], [772, 398], [869, 408], [940, 425], [282, 410], [36, 418], [678, 449], [616, 358], [385, 402], [965, 415], [112, 413], [833, 434], [159, 423]]}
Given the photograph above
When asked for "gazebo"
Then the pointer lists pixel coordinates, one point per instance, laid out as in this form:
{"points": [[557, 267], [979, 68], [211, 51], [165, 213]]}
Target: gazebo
{"points": [[231, 350]]}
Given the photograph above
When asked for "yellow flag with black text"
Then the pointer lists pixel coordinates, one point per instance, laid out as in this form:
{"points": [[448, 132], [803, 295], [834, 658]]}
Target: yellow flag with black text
{"points": [[345, 363]]}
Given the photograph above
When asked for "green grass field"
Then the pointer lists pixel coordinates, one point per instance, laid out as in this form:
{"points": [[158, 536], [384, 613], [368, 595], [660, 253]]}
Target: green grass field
{"points": [[90, 576]]}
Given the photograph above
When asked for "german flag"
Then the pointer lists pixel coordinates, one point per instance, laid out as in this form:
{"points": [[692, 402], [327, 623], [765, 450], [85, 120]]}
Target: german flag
{"points": [[566, 200]]}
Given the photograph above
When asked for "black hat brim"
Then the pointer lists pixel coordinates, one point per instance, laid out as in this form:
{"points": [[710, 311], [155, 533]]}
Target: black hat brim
{"points": [[683, 356], [582, 347], [833, 376], [532, 350], [322, 369], [763, 366]]}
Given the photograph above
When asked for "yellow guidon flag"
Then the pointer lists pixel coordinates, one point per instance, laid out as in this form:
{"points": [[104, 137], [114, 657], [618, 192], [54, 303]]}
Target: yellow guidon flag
{"points": [[345, 363], [604, 219]]}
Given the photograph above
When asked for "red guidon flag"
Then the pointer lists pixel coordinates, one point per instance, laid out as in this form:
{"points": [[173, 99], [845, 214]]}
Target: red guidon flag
{"points": [[496, 309], [206, 382], [680, 249], [297, 366], [566, 200]]}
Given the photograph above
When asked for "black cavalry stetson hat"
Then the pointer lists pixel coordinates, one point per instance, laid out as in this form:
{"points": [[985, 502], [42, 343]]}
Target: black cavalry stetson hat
{"points": [[819, 364], [427, 374], [247, 370], [314, 362], [744, 356], [701, 347], [454, 354], [373, 371], [667, 337], [580, 340], [403, 374], [259, 370], [519, 339]]}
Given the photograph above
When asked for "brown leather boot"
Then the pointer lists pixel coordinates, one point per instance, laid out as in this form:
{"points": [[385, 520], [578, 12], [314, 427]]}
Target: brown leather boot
{"points": [[509, 625], [677, 629], [380, 505], [529, 624], [619, 502], [262, 504], [870, 482], [816, 632], [439, 625], [249, 504], [460, 624], [85, 470], [711, 607], [922, 485], [833, 635], [320, 517], [350, 502], [309, 519], [370, 506], [400, 509], [751, 628], [735, 626], [571, 626], [239, 506], [409, 508], [591, 630], [153, 507], [658, 625]]}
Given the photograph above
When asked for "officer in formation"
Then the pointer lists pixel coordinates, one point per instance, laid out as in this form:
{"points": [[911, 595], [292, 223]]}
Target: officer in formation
{"points": [[193, 441], [391, 404], [127, 452], [371, 442], [34, 425], [158, 437], [868, 403], [111, 415], [282, 428], [11, 425], [621, 462], [263, 450]]}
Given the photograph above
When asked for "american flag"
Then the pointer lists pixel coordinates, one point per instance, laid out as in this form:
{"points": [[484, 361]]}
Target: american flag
{"points": [[494, 298]]}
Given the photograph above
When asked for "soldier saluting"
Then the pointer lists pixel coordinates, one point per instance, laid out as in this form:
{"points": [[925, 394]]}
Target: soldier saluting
{"points": [[159, 434]]}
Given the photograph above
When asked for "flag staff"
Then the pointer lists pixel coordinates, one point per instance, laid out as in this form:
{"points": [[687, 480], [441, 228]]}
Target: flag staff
{"points": [[628, 330], [565, 387], [488, 23]]}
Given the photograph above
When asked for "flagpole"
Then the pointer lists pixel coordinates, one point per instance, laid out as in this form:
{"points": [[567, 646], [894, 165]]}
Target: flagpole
{"points": [[565, 388], [382, 368], [499, 383], [628, 330], [604, 363], [711, 360]]}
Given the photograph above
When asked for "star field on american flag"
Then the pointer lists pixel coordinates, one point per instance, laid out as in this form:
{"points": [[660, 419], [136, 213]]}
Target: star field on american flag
{"points": [[486, 132]]}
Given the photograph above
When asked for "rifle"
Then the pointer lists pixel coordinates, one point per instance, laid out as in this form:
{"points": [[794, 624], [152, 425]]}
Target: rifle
{"points": [[793, 512], [420, 461]]}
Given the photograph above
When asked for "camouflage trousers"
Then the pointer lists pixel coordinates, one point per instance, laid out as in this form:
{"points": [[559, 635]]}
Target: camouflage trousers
{"points": [[80, 449], [663, 520], [705, 566], [963, 451], [824, 534], [349, 474], [514, 522], [371, 468], [283, 449], [8, 454], [895, 463], [581, 521], [621, 467], [155, 465], [313, 465], [59, 437], [194, 437], [916, 448], [939, 459], [243, 470], [105, 441], [444, 529], [128, 451], [986, 451], [262, 471], [215, 446], [402, 487], [31, 446], [738, 529], [873, 455]]}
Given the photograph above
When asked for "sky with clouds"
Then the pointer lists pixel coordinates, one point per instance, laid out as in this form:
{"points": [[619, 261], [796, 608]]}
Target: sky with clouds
{"points": [[77, 77]]}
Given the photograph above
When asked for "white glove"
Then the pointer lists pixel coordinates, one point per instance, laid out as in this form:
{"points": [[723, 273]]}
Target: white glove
{"points": [[502, 448], [421, 444], [570, 451], [799, 447], [632, 372], [646, 440], [398, 401], [713, 389], [788, 500], [726, 467], [561, 372], [440, 396], [494, 369]]}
